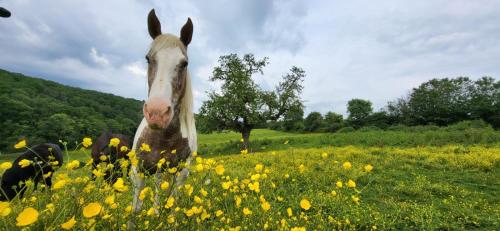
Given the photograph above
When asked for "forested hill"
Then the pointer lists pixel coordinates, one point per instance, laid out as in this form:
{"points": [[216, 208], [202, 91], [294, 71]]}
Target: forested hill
{"points": [[45, 111]]}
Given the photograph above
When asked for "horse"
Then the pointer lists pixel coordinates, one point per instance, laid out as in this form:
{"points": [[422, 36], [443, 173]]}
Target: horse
{"points": [[103, 152], [35, 164], [167, 133]]}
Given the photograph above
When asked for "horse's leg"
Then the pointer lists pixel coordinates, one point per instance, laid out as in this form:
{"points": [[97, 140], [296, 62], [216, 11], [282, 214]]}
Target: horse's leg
{"points": [[156, 203], [136, 203], [138, 186]]}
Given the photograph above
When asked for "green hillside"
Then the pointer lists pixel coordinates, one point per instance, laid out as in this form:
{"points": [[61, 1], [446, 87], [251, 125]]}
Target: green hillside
{"points": [[45, 111]]}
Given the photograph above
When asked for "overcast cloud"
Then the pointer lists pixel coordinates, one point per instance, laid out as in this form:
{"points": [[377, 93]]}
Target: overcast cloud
{"points": [[349, 49]]}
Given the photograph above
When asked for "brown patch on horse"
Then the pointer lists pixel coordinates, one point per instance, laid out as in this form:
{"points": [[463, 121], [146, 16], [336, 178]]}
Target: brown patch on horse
{"points": [[162, 143]]}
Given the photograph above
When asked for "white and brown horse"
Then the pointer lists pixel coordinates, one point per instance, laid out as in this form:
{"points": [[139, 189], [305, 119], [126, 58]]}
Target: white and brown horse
{"points": [[168, 126]]}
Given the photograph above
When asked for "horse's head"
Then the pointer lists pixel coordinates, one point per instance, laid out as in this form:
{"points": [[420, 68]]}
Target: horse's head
{"points": [[167, 72]]}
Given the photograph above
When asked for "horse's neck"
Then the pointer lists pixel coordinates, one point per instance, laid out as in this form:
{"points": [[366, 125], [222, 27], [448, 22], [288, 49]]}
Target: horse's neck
{"points": [[180, 129]]}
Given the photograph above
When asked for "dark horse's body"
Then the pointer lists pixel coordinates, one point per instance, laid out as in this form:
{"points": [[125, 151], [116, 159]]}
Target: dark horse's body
{"points": [[113, 154], [43, 158]]}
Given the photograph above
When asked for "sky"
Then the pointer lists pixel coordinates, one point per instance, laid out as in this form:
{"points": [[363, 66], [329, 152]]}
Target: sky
{"points": [[375, 50]]}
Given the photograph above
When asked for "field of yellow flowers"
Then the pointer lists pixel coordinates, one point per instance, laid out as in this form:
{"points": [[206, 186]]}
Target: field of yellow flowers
{"points": [[348, 187]]}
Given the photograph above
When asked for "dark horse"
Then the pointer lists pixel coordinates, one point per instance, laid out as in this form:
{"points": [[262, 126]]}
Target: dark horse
{"points": [[43, 158], [112, 154]]}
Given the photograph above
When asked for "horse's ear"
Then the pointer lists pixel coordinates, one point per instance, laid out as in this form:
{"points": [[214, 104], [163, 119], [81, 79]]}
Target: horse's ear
{"points": [[187, 32], [154, 25]]}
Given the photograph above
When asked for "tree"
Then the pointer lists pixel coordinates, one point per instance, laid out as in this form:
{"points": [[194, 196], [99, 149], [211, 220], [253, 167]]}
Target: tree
{"points": [[313, 122], [294, 120], [241, 104], [333, 121], [358, 110], [485, 101], [441, 101]]}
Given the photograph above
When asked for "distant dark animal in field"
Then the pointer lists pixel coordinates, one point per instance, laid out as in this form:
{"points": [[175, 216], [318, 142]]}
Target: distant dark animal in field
{"points": [[4, 12], [40, 168], [103, 152]]}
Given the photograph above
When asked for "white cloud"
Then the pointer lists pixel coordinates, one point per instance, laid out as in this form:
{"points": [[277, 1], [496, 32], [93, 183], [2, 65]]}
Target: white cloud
{"points": [[99, 59], [137, 69]]}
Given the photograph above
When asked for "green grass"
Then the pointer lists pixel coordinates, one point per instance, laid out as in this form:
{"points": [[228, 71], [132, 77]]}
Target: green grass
{"points": [[442, 180]]}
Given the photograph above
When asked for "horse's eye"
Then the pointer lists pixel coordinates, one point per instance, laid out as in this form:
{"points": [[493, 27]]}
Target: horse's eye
{"points": [[183, 64]]}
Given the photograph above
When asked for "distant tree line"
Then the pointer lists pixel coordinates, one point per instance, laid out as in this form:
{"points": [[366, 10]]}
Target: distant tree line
{"points": [[45, 111], [438, 102]]}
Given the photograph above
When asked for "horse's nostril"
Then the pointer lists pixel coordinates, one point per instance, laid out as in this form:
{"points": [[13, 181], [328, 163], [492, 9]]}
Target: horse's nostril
{"points": [[168, 110]]}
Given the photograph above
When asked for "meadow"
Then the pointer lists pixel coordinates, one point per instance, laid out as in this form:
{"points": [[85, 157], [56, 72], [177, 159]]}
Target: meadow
{"points": [[372, 180]]}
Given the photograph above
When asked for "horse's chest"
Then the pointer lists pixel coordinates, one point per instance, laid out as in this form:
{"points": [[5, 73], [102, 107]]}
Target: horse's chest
{"points": [[171, 147]]}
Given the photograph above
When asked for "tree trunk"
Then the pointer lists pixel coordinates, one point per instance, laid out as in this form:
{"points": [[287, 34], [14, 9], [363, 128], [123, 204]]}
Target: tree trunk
{"points": [[245, 134]]}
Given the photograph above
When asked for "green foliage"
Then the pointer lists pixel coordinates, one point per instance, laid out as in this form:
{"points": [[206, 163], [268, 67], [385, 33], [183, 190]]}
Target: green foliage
{"points": [[313, 122], [346, 129], [333, 121], [358, 110], [447, 101], [241, 104], [44, 111]]}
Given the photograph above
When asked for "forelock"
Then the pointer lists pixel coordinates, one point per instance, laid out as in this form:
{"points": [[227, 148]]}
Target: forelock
{"points": [[166, 41]]}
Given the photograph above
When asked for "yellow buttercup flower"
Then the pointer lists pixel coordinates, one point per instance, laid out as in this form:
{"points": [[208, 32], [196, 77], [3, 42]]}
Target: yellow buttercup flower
{"points": [[170, 202], [59, 184], [289, 212], [92, 210], [324, 155], [218, 213], [351, 184], [145, 147], [197, 199], [5, 208], [24, 163], [203, 192], [5, 165], [113, 142], [339, 184], [69, 224], [50, 207], [305, 204], [123, 149], [255, 186], [298, 229], [302, 168], [265, 206], [27, 217], [226, 185], [143, 193], [355, 199], [119, 185], [347, 165], [110, 200], [20, 144], [247, 211], [47, 175], [368, 168], [244, 151], [87, 142], [164, 185], [219, 169], [333, 193], [73, 164], [259, 167]]}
